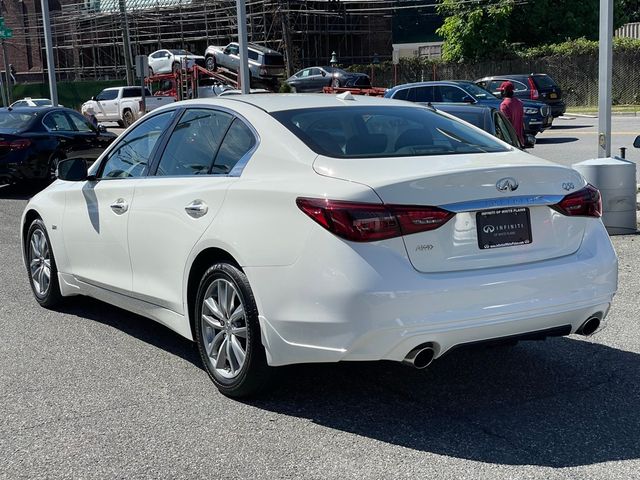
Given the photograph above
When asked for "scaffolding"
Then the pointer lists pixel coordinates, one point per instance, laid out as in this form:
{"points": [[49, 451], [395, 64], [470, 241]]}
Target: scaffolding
{"points": [[88, 36]]}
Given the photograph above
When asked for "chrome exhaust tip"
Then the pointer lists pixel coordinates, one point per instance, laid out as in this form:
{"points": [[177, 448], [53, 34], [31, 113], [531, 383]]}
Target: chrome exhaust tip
{"points": [[589, 327], [420, 357]]}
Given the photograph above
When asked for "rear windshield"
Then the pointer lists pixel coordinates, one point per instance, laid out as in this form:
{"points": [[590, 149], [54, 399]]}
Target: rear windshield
{"points": [[11, 122], [384, 131], [274, 60], [42, 103], [544, 81]]}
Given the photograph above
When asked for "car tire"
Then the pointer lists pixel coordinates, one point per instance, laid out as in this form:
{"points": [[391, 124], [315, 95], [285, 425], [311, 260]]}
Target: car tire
{"points": [[41, 266], [227, 332], [210, 63], [150, 72], [55, 159], [127, 118]]}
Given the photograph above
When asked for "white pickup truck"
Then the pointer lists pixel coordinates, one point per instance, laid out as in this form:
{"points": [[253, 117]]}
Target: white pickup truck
{"points": [[122, 104]]}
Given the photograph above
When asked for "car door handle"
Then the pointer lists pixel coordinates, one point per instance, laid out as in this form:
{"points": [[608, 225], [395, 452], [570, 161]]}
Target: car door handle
{"points": [[197, 209], [120, 206]]}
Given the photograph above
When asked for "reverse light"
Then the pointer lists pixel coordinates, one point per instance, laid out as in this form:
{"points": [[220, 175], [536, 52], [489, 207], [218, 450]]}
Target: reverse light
{"points": [[369, 222], [583, 203], [19, 144]]}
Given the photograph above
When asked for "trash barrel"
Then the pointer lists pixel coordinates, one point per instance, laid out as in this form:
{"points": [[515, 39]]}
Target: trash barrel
{"points": [[616, 180]]}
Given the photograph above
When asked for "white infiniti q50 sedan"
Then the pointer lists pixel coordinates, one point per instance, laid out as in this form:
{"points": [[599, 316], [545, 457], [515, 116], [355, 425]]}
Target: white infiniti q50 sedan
{"points": [[281, 229]]}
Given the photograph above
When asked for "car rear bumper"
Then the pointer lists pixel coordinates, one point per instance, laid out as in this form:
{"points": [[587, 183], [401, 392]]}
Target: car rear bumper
{"points": [[557, 109], [363, 302]]}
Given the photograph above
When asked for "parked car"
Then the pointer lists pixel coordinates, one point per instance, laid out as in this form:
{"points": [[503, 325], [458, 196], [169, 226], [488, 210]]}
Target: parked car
{"points": [[489, 119], [314, 79], [264, 64], [167, 61], [34, 139], [32, 102], [537, 116], [122, 104], [535, 86], [320, 228]]}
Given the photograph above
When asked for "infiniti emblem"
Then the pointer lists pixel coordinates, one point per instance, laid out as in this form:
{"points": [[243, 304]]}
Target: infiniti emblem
{"points": [[488, 229], [507, 184]]}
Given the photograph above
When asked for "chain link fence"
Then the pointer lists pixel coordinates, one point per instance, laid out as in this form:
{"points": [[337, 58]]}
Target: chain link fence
{"points": [[576, 75]]}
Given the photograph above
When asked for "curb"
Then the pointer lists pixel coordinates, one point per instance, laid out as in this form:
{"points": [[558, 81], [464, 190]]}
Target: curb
{"points": [[581, 115]]}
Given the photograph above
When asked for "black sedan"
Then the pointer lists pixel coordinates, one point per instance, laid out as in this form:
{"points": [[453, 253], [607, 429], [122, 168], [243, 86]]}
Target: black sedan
{"points": [[34, 139], [314, 79]]}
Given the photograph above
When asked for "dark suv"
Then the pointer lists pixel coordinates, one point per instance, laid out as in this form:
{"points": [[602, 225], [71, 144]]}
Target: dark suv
{"points": [[537, 116], [535, 86]]}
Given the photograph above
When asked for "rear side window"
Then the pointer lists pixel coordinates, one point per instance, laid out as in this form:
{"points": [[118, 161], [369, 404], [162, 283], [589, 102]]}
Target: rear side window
{"points": [[272, 60], [194, 143], [57, 122], [544, 81], [236, 144], [253, 55], [384, 131], [134, 92]]}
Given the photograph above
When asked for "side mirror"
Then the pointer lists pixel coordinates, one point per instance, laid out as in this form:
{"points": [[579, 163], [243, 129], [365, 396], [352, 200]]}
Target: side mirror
{"points": [[468, 99], [636, 142], [167, 55], [529, 141], [72, 170], [102, 128]]}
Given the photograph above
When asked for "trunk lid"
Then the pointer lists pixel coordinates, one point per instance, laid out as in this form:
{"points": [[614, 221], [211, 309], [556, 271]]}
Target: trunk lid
{"points": [[467, 185]]}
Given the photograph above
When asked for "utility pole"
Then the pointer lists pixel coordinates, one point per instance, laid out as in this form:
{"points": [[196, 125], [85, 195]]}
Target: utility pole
{"points": [[126, 42], [286, 36], [604, 78], [243, 70], [48, 43]]}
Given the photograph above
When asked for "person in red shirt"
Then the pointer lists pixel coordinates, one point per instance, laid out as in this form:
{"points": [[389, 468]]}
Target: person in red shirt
{"points": [[513, 109]]}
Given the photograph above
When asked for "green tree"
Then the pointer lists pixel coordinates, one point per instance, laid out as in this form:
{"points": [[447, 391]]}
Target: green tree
{"points": [[480, 29], [475, 29], [550, 21]]}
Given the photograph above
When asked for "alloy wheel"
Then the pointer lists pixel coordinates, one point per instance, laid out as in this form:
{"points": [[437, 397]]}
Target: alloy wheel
{"points": [[224, 328], [40, 262]]}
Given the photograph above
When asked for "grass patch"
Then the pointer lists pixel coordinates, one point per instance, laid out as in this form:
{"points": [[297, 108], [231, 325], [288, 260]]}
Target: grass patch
{"points": [[614, 109]]}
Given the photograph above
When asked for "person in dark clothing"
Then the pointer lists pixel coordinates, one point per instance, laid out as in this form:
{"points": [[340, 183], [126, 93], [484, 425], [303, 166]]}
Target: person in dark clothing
{"points": [[513, 109]]}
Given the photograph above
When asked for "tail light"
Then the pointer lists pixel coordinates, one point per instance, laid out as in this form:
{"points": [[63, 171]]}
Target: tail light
{"points": [[583, 203], [369, 222], [19, 144], [534, 91]]}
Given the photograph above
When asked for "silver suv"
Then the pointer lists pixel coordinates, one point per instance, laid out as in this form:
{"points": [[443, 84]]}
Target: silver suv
{"points": [[264, 63]]}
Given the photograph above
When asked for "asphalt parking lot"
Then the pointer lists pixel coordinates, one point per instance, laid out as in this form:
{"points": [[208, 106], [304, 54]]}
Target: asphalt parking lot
{"points": [[91, 391]]}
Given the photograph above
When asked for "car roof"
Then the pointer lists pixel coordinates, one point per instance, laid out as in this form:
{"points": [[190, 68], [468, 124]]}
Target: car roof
{"points": [[433, 82], [258, 48], [274, 102]]}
